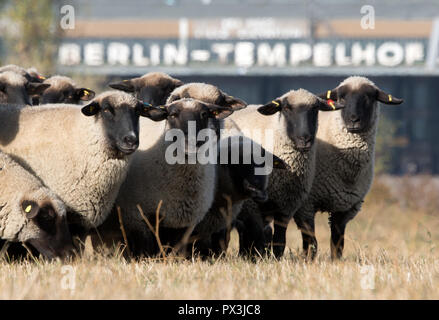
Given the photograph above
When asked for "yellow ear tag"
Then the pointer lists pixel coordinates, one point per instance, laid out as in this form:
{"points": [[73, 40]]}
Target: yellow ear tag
{"points": [[332, 105], [328, 94], [390, 97], [86, 92], [28, 209], [276, 103], [91, 108]]}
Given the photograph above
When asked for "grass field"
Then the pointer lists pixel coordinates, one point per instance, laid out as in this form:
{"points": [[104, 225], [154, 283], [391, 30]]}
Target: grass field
{"points": [[391, 252]]}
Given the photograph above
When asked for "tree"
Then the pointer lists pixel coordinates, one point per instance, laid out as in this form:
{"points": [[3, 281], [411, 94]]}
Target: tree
{"points": [[32, 33]]}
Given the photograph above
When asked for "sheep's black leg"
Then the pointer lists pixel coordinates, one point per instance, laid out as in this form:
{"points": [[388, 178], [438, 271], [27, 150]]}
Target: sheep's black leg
{"points": [[307, 228], [279, 235], [338, 223], [220, 242], [251, 233]]}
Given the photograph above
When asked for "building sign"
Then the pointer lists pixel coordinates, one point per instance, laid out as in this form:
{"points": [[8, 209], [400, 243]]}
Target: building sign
{"points": [[204, 53]]}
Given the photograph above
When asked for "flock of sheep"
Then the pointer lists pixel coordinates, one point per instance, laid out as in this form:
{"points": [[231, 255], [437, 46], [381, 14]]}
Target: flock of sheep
{"points": [[74, 165]]}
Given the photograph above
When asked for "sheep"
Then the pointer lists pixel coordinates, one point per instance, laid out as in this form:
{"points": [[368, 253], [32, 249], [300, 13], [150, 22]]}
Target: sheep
{"points": [[344, 161], [80, 153], [187, 190], [64, 90], [16, 89], [30, 212], [237, 181], [31, 74], [292, 118]]}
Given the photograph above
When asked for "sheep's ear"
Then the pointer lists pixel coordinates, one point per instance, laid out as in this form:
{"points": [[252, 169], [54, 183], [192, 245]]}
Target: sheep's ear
{"points": [[36, 88], [270, 108], [172, 98], [177, 83], [387, 98], [85, 94], [30, 208], [147, 110], [36, 77], [91, 109], [329, 95], [125, 85], [234, 103], [218, 112], [278, 163], [329, 105]]}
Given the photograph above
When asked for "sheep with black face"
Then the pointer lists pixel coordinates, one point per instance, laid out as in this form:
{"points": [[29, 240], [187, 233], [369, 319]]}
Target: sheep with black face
{"points": [[81, 153], [30, 212], [292, 119], [187, 190], [344, 161], [31, 74], [238, 180], [16, 89], [153, 88], [64, 90]]}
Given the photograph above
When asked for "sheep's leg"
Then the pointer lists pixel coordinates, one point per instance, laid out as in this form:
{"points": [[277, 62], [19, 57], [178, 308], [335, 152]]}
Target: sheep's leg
{"points": [[309, 240], [279, 234], [250, 227], [220, 242], [338, 221]]}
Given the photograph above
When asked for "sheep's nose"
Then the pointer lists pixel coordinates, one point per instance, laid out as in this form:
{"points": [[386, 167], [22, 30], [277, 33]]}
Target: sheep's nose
{"points": [[131, 140], [306, 138], [354, 118]]}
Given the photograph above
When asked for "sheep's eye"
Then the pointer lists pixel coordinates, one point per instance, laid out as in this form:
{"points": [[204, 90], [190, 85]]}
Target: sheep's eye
{"points": [[109, 111]]}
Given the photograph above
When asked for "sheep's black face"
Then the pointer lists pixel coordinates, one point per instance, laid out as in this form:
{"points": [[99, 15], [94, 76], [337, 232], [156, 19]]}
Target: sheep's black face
{"points": [[13, 94], [66, 94], [359, 108], [156, 94], [300, 117], [249, 184], [54, 238], [301, 124], [360, 104], [188, 116], [120, 122], [153, 88]]}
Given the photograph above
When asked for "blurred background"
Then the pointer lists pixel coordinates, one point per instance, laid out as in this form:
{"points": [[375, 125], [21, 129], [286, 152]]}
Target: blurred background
{"points": [[252, 49]]}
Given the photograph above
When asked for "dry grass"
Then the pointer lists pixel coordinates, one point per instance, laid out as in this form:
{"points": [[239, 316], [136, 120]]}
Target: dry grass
{"points": [[398, 241]]}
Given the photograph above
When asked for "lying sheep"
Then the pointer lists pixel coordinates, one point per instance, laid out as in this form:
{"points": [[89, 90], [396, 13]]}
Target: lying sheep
{"points": [[30, 212], [16, 89], [187, 190], [345, 161], [238, 180], [81, 153], [64, 90], [31, 74], [292, 118]]}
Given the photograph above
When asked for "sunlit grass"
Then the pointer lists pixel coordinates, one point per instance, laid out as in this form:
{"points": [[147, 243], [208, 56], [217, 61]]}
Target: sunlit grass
{"points": [[397, 245]]}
